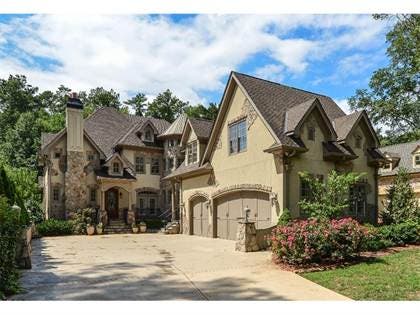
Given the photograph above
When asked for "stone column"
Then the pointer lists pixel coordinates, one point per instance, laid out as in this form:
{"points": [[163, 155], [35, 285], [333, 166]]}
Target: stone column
{"points": [[131, 216], [103, 214], [246, 237], [173, 201]]}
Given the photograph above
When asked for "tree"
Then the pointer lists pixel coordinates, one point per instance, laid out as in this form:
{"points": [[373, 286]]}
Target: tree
{"points": [[21, 143], [401, 204], [166, 106], [328, 199], [97, 98], [200, 111], [16, 97], [393, 95], [138, 103]]}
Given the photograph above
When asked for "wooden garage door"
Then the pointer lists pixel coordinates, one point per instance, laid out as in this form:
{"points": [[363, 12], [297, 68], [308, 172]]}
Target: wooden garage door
{"points": [[231, 207], [200, 217]]}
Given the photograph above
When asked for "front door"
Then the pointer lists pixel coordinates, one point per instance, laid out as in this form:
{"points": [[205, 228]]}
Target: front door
{"points": [[111, 203]]}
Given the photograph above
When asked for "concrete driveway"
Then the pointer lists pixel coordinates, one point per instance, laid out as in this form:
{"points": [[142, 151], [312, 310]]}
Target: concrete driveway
{"points": [[158, 267]]}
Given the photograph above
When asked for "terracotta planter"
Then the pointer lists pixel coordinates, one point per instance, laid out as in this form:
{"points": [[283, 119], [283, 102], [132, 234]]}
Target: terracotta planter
{"points": [[90, 230], [135, 230], [143, 228]]}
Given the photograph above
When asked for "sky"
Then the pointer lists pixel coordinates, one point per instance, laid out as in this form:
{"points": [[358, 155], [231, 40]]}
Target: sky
{"points": [[192, 55]]}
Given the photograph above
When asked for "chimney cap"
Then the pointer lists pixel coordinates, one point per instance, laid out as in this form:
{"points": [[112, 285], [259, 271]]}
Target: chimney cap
{"points": [[74, 101]]}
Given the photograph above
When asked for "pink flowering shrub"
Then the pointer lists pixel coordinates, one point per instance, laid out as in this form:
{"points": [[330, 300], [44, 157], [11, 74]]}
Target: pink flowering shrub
{"points": [[314, 240]]}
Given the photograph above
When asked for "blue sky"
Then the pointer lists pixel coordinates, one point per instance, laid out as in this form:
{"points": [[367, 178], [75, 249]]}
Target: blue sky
{"points": [[193, 54]]}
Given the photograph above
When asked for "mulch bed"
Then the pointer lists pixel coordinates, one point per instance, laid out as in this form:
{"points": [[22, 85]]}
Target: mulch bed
{"points": [[364, 256]]}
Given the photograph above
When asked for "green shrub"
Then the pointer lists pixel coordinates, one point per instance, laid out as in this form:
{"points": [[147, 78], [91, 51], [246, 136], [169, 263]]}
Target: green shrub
{"points": [[314, 240], [392, 235], [81, 218], [10, 228], [154, 223], [53, 227], [284, 218]]}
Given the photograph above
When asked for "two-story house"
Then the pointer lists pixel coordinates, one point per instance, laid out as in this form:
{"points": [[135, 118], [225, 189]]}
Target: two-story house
{"points": [[403, 155], [110, 161], [250, 158]]}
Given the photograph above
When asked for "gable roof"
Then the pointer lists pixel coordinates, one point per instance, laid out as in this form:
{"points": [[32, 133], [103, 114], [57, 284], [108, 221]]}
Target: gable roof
{"points": [[176, 128], [403, 151], [273, 100], [202, 127], [107, 127]]}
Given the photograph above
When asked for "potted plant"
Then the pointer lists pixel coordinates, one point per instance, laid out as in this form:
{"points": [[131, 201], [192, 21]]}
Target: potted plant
{"points": [[135, 228], [100, 228], [90, 228], [143, 227]]}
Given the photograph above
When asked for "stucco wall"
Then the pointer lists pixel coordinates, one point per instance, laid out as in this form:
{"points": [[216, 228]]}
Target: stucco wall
{"points": [[253, 166]]}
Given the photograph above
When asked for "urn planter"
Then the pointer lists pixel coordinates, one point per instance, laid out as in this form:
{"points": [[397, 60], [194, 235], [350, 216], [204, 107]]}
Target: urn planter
{"points": [[90, 229]]}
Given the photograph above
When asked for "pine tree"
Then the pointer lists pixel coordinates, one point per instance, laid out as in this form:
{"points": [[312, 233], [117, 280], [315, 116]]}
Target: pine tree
{"points": [[402, 204]]}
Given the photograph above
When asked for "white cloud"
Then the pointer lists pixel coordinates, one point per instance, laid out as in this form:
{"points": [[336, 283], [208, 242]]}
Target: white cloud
{"points": [[132, 53], [344, 105], [271, 72]]}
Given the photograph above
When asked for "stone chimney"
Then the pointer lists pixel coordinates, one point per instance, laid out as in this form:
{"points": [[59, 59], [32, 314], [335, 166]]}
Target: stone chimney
{"points": [[75, 177]]}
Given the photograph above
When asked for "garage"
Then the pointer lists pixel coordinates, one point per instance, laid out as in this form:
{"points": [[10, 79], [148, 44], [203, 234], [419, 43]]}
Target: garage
{"points": [[200, 216], [230, 207]]}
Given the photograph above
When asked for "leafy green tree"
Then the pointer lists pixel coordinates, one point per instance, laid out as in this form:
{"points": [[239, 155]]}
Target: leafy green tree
{"points": [[393, 95], [328, 199], [166, 106], [401, 204], [200, 111], [21, 143], [55, 102], [16, 97], [138, 103], [97, 98]]}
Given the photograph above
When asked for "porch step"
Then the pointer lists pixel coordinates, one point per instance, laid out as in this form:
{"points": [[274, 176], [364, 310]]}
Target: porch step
{"points": [[117, 227]]}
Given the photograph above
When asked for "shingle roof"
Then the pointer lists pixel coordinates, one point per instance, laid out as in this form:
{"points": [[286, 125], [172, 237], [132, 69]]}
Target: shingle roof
{"points": [[202, 127], [107, 127], [176, 128], [344, 124], [187, 169], [46, 138], [295, 114], [273, 100], [404, 152]]}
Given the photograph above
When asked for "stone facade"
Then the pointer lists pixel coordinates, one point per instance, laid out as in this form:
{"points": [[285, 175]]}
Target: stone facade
{"points": [[75, 183], [246, 237]]}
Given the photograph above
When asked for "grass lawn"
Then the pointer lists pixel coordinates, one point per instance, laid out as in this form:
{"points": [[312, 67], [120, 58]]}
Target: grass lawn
{"points": [[392, 277]]}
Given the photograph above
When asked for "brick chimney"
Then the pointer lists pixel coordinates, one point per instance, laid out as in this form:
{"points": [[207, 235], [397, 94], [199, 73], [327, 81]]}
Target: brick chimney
{"points": [[75, 177]]}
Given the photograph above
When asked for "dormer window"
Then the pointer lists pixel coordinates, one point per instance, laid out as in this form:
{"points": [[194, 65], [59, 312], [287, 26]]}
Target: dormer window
{"points": [[116, 167], [416, 160], [57, 155], [387, 167], [358, 142], [192, 156], [311, 133]]}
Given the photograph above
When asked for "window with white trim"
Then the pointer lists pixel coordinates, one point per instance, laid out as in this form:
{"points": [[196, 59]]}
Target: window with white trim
{"points": [[311, 133], [416, 160], [56, 194], [116, 167], [155, 167]]}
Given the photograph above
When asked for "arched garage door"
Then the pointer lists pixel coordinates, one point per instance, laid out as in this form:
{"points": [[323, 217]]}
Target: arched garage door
{"points": [[230, 207], [200, 217]]}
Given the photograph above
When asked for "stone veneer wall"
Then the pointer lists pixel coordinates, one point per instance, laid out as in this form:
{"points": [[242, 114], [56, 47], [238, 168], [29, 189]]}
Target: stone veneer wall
{"points": [[75, 183]]}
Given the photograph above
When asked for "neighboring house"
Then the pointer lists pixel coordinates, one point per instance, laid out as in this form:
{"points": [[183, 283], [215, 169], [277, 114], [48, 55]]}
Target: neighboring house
{"points": [[113, 162], [264, 135], [404, 155]]}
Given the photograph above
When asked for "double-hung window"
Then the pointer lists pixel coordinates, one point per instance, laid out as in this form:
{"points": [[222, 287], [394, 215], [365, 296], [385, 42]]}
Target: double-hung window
{"points": [[155, 168], [237, 137], [139, 164], [116, 167], [192, 155]]}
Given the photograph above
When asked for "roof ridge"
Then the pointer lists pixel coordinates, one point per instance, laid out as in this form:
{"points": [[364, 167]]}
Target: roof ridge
{"points": [[202, 119], [400, 144], [280, 84]]}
